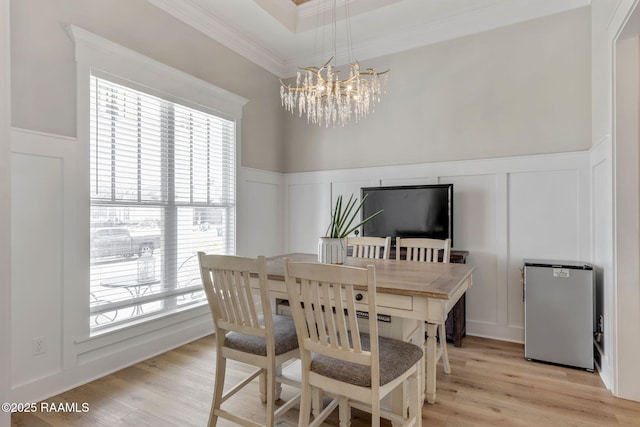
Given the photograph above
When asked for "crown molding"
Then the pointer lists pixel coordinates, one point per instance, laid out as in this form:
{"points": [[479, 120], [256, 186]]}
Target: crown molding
{"points": [[134, 69], [220, 31], [468, 21]]}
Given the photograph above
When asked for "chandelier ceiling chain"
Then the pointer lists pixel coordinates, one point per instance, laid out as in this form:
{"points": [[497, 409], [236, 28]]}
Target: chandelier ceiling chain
{"points": [[325, 98]]}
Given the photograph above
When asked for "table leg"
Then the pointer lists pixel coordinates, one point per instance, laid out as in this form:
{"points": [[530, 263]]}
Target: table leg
{"points": [[430, 363], [412, 331], [137, 291], [399, 402]]}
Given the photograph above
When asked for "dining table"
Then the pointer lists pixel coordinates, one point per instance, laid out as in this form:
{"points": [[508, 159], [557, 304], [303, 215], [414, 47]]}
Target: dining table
{"points": [[412, 298]]}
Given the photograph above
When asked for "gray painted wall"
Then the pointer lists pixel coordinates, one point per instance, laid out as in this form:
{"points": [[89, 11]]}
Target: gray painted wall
{"points": [[517, 90], [43, 67]]}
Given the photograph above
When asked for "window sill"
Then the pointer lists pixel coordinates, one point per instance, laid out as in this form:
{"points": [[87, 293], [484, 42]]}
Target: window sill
{"points": [[143, 327]]}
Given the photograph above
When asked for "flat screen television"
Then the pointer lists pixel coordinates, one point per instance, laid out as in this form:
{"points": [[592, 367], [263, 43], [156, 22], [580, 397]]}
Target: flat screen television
{"points": [[409, 211]]}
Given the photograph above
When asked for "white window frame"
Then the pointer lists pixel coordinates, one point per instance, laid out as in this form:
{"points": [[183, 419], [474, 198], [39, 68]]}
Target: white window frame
{"points": [[137, 71], [129, 286]]}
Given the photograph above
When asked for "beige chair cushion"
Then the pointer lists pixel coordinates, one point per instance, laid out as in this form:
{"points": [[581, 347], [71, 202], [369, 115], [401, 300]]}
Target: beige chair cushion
{"points": [[285, 338], [396, 357]]}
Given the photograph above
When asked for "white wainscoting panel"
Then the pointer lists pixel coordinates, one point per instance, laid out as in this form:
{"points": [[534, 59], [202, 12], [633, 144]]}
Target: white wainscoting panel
{"points": [[259, 213], [602, 208], [543, 224], [36, 300], [474, 210], [543, 205], [505, 210], [308, 210]]}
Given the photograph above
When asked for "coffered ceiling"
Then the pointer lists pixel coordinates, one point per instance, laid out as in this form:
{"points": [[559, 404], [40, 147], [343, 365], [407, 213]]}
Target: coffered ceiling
{"points": [[281, 35]]}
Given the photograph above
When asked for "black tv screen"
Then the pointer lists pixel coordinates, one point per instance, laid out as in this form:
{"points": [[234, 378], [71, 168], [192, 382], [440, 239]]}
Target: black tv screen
{"points": [[409, 211]]}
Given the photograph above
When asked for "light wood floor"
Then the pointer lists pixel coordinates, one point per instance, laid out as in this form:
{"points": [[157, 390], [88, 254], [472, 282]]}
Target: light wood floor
{"points": [[490, 385]]}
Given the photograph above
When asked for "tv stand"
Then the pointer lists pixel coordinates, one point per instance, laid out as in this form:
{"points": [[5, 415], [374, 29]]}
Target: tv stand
{"points": [[456, 325]]}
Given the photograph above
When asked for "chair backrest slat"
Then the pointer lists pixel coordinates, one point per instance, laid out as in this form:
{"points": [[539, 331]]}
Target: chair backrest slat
{"points": [[234, 287], [330, 320], [316, 308], [350, 299], [339, 299], [248, 309], [230, 283]]}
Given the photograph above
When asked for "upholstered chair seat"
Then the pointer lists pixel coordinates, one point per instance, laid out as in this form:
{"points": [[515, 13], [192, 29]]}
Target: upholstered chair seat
{"points": [[284, 332], [396, 357]]}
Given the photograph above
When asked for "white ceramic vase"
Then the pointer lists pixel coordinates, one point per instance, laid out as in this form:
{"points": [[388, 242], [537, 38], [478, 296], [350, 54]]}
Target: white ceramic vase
{"points": [[332, 250]]}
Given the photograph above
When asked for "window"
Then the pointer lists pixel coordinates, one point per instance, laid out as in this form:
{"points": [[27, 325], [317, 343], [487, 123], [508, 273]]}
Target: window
{"points": [[162, 188]]}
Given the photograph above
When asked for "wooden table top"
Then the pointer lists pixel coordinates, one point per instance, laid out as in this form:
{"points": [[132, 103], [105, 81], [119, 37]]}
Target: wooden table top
{"points": [[423, 279]]}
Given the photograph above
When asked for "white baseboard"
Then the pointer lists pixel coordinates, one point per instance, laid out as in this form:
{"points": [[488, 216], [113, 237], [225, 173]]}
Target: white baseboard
{"points": [[59, 382]]}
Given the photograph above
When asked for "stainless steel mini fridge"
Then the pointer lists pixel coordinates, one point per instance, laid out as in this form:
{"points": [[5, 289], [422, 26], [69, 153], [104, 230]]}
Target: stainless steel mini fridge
{"points": [[559, 310]]}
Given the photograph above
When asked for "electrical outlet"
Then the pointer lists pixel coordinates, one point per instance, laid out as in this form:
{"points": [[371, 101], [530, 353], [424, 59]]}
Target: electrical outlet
{"points": [[38, 345], [601, 323]]}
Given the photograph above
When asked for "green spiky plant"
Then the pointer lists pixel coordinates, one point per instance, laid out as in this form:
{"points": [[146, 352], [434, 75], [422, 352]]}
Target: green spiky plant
{"points": [[344, 215]]}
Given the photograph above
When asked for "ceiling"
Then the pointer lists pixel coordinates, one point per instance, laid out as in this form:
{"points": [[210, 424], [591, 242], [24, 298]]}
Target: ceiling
{"points": [[281, 35]]}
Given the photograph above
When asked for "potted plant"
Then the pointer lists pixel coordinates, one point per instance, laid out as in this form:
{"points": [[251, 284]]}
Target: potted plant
{"points": [[332, 248]]}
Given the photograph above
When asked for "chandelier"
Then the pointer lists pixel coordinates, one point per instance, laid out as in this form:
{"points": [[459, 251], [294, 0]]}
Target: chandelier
{"points": [[327, 99]]}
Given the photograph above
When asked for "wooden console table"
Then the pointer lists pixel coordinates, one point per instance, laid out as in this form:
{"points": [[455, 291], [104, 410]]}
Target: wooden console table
{"points": [[456, 324]]}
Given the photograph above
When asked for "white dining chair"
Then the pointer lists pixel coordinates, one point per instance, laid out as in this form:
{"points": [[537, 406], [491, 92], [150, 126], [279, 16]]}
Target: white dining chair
{"points": [[429, 250], [356, 369], [243, 334], [369, 247]]}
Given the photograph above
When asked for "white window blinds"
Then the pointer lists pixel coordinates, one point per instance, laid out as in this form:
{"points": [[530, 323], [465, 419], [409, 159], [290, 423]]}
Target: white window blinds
{"points": [[162, 188]]}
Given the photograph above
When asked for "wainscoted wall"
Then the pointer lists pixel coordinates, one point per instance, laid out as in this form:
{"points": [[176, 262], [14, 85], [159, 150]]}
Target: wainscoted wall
{"points": [[38, 196], [505, 210], [259, 214], [49, 265], [37, 235]]}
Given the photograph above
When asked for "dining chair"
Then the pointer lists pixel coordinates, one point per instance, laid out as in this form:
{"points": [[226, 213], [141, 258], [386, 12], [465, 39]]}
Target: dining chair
{"points": [[369, 247], [356, 369], [428, 250], [419, 249], [244, 334]]}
